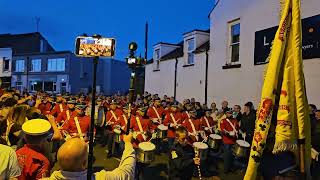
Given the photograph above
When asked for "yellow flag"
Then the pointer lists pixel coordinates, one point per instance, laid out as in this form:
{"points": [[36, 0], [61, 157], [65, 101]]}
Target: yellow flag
{"points": [[284, 75]]}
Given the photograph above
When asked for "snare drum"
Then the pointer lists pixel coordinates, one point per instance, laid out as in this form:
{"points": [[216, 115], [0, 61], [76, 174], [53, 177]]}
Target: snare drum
{"points": [[162, 131], [241, 149], [145, 153], [214, 141], [116, 135], [203, 150]]}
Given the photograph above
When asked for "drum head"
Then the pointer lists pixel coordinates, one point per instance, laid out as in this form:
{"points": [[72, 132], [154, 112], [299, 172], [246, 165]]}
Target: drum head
{"points": [[147, 146], [117, 131], [200, 145], [243, 143], [163, 127], [215, 136]]}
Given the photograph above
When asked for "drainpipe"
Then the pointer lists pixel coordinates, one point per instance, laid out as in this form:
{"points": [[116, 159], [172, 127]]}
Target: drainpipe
{"points": [[175, 80], [206, 80]]}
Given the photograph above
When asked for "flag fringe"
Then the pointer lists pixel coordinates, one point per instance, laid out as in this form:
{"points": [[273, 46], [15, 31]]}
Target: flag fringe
{"points": [[284, 146]]}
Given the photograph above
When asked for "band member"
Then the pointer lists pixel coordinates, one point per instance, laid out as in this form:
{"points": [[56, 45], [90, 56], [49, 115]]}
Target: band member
{"points": [[112, 117], [173, 120], [59, 107], [141, 126], [229, 130], [33, 163], [208, 123], [45, 106], [182, 159], [69, 111], [79, 124], [193, 126], [156, 112]]}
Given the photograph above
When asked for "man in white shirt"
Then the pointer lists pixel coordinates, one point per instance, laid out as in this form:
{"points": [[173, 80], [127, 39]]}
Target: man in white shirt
{"points": [[9, 166], [73, 158]]}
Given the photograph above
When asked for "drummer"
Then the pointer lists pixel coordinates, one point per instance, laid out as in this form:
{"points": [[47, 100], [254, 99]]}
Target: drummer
{"points": [[173, 120], [229, 130], [193, 126], [181, 158], [141, 127], [111, 118], [69, 111], [79, 124], [208, 123], [156, 112]]}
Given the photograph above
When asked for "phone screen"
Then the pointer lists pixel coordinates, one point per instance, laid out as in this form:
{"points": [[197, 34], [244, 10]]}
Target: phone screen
{"points": [[92, 47]]}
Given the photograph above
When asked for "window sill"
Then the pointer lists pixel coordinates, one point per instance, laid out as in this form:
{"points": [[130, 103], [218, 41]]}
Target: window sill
{"points": [[187, 65], [231, 66], [155, 70]]}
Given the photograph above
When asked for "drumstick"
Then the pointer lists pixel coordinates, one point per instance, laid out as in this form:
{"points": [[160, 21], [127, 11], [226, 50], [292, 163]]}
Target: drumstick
{"points": [[198, 166]]}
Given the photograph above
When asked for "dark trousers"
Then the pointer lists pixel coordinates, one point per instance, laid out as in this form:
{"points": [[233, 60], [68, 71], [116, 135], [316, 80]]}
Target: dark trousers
{"points": [[227, 157], [108, 140]]}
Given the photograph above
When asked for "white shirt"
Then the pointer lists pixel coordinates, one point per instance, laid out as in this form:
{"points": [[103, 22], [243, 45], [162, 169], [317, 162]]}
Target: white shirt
{"points": [[125, 171], [9, 166]]}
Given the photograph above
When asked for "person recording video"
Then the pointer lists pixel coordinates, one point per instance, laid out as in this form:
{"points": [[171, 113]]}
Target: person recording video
{"points": [[73, 158]]}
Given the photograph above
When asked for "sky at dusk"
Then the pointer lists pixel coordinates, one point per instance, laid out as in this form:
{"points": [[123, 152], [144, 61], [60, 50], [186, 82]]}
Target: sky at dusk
{"points": [[62, 20]]}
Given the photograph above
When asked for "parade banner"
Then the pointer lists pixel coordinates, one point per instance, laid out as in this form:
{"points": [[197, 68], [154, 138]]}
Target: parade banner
{"points": [[283, 89]]}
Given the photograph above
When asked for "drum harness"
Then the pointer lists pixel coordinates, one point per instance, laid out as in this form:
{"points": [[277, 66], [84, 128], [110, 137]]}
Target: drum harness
{"points": [[234, 129], [140, 128]]}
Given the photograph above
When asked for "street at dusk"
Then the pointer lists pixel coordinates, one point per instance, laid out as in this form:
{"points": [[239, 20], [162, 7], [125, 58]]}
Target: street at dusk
{"points": [[156, 90]]}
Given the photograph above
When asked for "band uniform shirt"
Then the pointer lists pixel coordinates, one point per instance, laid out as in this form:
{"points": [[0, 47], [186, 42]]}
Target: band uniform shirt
{"points": [[34, 165], [45, 108], [188, 126], [181, 164], [168, 120], [110, 118], [71, 126], [62, 117], [226, 126], [9, 166], [57, 109]]}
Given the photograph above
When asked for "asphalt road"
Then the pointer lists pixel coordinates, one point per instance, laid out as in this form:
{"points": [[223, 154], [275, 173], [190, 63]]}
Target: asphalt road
{"points": [[158, 169]]}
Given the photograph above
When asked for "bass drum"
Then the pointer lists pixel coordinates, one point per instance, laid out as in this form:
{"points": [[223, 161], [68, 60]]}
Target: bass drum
{"points": [[145, 153]]}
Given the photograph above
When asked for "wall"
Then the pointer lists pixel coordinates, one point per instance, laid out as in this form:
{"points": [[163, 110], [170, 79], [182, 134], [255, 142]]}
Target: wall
{"points": [[160, 82], [191, 79], [244, 84]]}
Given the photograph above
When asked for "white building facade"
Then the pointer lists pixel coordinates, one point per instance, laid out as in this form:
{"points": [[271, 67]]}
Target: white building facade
{"points": [[5, 67], [178, 70], [240, 35]]}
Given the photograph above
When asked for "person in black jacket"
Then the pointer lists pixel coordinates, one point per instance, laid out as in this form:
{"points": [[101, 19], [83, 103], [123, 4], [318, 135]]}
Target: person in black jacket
{"points": [[182, 159], [247, 123]]}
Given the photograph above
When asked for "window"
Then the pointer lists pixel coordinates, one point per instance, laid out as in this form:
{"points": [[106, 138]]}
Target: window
{"points": [[19, 86], [49, 86], [57, 64], [234, 42], [6, 63], [36, 65], [19, 65], [157, 59], [36, 85], [191, 48], [63, 87]]}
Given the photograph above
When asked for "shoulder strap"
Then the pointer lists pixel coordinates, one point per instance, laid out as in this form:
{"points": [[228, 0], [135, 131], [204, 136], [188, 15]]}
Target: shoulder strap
{"points": [[61, 108], [139, 124], [173, 119], [234, 129], [114, 116], [193, 128], [207, 122], [76, 120], [155, 110]]}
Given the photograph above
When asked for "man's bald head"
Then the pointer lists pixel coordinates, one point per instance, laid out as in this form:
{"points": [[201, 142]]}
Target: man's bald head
{"points": [[73, 155]]}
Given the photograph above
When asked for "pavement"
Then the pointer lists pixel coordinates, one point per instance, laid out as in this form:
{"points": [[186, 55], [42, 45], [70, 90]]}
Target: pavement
{"points": [[156, 170]]}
